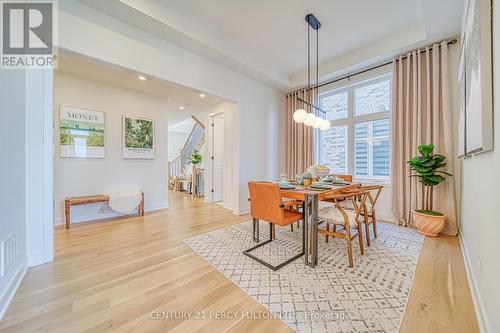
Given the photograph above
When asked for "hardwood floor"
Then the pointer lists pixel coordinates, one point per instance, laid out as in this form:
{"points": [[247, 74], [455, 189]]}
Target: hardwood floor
{"points": [[118, 274]]}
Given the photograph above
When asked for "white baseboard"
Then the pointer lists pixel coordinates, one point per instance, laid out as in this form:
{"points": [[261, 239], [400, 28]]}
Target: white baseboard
{"points": [[244, 211], [37, 259], [476, 297], [12, 287], [91, 217]]}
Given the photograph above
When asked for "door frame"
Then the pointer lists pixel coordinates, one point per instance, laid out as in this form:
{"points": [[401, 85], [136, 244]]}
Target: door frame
{"points": [[211, 117]]}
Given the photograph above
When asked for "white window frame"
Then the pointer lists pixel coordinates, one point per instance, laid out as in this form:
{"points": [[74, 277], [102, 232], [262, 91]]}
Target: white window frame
{"points": [[352, 120]]}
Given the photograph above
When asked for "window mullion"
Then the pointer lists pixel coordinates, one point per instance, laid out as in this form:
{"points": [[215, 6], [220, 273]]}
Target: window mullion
{"points": [[370, 149], [350, 132]]}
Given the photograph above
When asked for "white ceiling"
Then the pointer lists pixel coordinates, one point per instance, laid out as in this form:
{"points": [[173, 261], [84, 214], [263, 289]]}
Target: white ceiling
{"points": [[183, 127], [175, 96], [266, 39]]}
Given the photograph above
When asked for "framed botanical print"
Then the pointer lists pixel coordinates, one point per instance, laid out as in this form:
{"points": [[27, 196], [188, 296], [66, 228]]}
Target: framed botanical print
{"points": [[138, 138]]}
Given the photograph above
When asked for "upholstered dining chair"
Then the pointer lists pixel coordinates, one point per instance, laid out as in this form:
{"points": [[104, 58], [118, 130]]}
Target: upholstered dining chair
{"points": [[266, 204], [350, 220]]}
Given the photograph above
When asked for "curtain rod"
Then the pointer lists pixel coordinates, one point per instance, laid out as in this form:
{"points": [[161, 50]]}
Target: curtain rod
{"points": [[450, 42]]}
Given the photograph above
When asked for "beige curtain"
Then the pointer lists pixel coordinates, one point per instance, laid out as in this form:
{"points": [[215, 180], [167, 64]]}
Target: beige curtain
{"points": [[299, 138], [422, 114]]}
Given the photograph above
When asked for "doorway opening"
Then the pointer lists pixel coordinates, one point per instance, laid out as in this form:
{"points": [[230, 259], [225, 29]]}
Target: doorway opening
{"points": [[94, 87]]}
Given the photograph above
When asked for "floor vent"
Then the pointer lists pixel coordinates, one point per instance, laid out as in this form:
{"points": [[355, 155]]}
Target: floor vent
{"points": [[8, 252]]}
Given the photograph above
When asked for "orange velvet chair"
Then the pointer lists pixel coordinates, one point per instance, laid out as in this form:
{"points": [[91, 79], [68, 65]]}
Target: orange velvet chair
{"points": [[266, 204]]}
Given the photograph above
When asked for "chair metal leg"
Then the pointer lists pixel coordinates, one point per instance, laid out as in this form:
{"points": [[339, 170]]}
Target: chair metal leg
{"points": [[327, 236], [256, 230], [286, 262]]}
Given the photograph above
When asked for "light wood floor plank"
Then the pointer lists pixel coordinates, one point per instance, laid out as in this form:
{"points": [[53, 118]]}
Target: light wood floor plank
{"points": [[112, 275]]}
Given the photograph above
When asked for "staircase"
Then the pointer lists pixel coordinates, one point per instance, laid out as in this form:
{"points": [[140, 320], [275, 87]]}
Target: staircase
{"points": [[195, 141]]}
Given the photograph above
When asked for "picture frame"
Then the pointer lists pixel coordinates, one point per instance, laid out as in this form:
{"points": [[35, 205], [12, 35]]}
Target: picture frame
{"points": [[477, 80], [81, 132], [138, 137]]}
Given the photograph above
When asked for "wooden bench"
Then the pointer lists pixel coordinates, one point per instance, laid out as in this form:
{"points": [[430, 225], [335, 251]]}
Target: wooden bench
{"points": [[74, 201]]}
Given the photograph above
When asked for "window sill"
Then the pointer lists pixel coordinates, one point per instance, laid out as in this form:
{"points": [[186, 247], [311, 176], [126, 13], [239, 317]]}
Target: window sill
{"points": [[374, 181]]}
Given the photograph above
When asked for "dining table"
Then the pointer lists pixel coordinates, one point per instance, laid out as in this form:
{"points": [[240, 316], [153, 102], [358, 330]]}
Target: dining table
{"points": [[310, 198]]}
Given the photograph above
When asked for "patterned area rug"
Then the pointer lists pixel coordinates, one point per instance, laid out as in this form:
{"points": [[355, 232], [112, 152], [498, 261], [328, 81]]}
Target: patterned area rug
{"points": [[371, 297]]}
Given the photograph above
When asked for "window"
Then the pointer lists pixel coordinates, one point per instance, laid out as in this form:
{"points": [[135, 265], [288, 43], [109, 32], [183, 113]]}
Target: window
{"points": [[334, 149], [359, 141]]}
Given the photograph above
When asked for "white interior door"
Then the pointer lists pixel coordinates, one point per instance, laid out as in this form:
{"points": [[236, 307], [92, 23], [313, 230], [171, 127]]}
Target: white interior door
{"points": [[218, 157]]}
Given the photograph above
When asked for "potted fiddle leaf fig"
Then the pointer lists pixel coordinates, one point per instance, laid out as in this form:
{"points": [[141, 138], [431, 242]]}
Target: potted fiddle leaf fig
{"points": [[427, 167], [195, 158]]}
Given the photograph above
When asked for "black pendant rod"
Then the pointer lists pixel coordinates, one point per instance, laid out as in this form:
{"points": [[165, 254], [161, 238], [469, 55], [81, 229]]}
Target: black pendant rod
{"points": [[317, 64], [311, 105], [309, 64], [312, 22]]}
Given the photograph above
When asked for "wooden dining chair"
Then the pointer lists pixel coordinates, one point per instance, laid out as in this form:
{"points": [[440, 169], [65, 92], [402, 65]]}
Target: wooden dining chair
{"points": [[266, 204], [351, 221], [347, 178], [372, 195]]}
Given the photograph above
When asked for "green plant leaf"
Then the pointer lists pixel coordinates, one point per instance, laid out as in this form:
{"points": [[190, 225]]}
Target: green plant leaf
{"points": [[436, 178], [439, 158], [423, 170], [429, 163], [440, 165], [426, 150], [444, 173]]}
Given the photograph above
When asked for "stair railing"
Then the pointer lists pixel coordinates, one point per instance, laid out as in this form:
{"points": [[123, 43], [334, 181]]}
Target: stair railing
{"points": [[195, 141]]}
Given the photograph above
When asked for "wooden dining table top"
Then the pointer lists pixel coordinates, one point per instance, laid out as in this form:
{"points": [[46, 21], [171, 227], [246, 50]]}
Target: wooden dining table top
{"points": [[299, 192]]}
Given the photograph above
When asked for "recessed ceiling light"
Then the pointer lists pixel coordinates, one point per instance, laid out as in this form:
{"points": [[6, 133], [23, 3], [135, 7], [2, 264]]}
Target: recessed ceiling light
{"points": [[142, 78], [202, 95], [181, 108]]}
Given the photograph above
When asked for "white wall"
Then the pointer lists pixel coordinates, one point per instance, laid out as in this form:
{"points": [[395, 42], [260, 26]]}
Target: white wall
{"points": [[480, 225], [258, 132], [76, 177], [12, 177], [176, 141], [39, 166]]}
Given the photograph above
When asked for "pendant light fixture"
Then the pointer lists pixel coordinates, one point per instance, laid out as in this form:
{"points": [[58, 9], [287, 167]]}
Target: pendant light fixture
{"points": [[301, 115]]}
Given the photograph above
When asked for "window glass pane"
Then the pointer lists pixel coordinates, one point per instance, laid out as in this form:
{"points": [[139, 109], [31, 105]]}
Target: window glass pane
{"points": [[334, 149], [372, 148], [381, 155], [372, 98], [335, 105], [381, 148], [381, 127], [361, 150]]}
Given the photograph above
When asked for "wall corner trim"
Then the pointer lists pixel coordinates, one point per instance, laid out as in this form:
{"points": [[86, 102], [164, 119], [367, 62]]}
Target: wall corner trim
{"points": [[476, 297], [12, 288]]}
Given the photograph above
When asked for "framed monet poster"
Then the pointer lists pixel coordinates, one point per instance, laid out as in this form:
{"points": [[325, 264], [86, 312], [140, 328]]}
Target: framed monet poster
{"points": [[81, 132], [138, 138]]}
